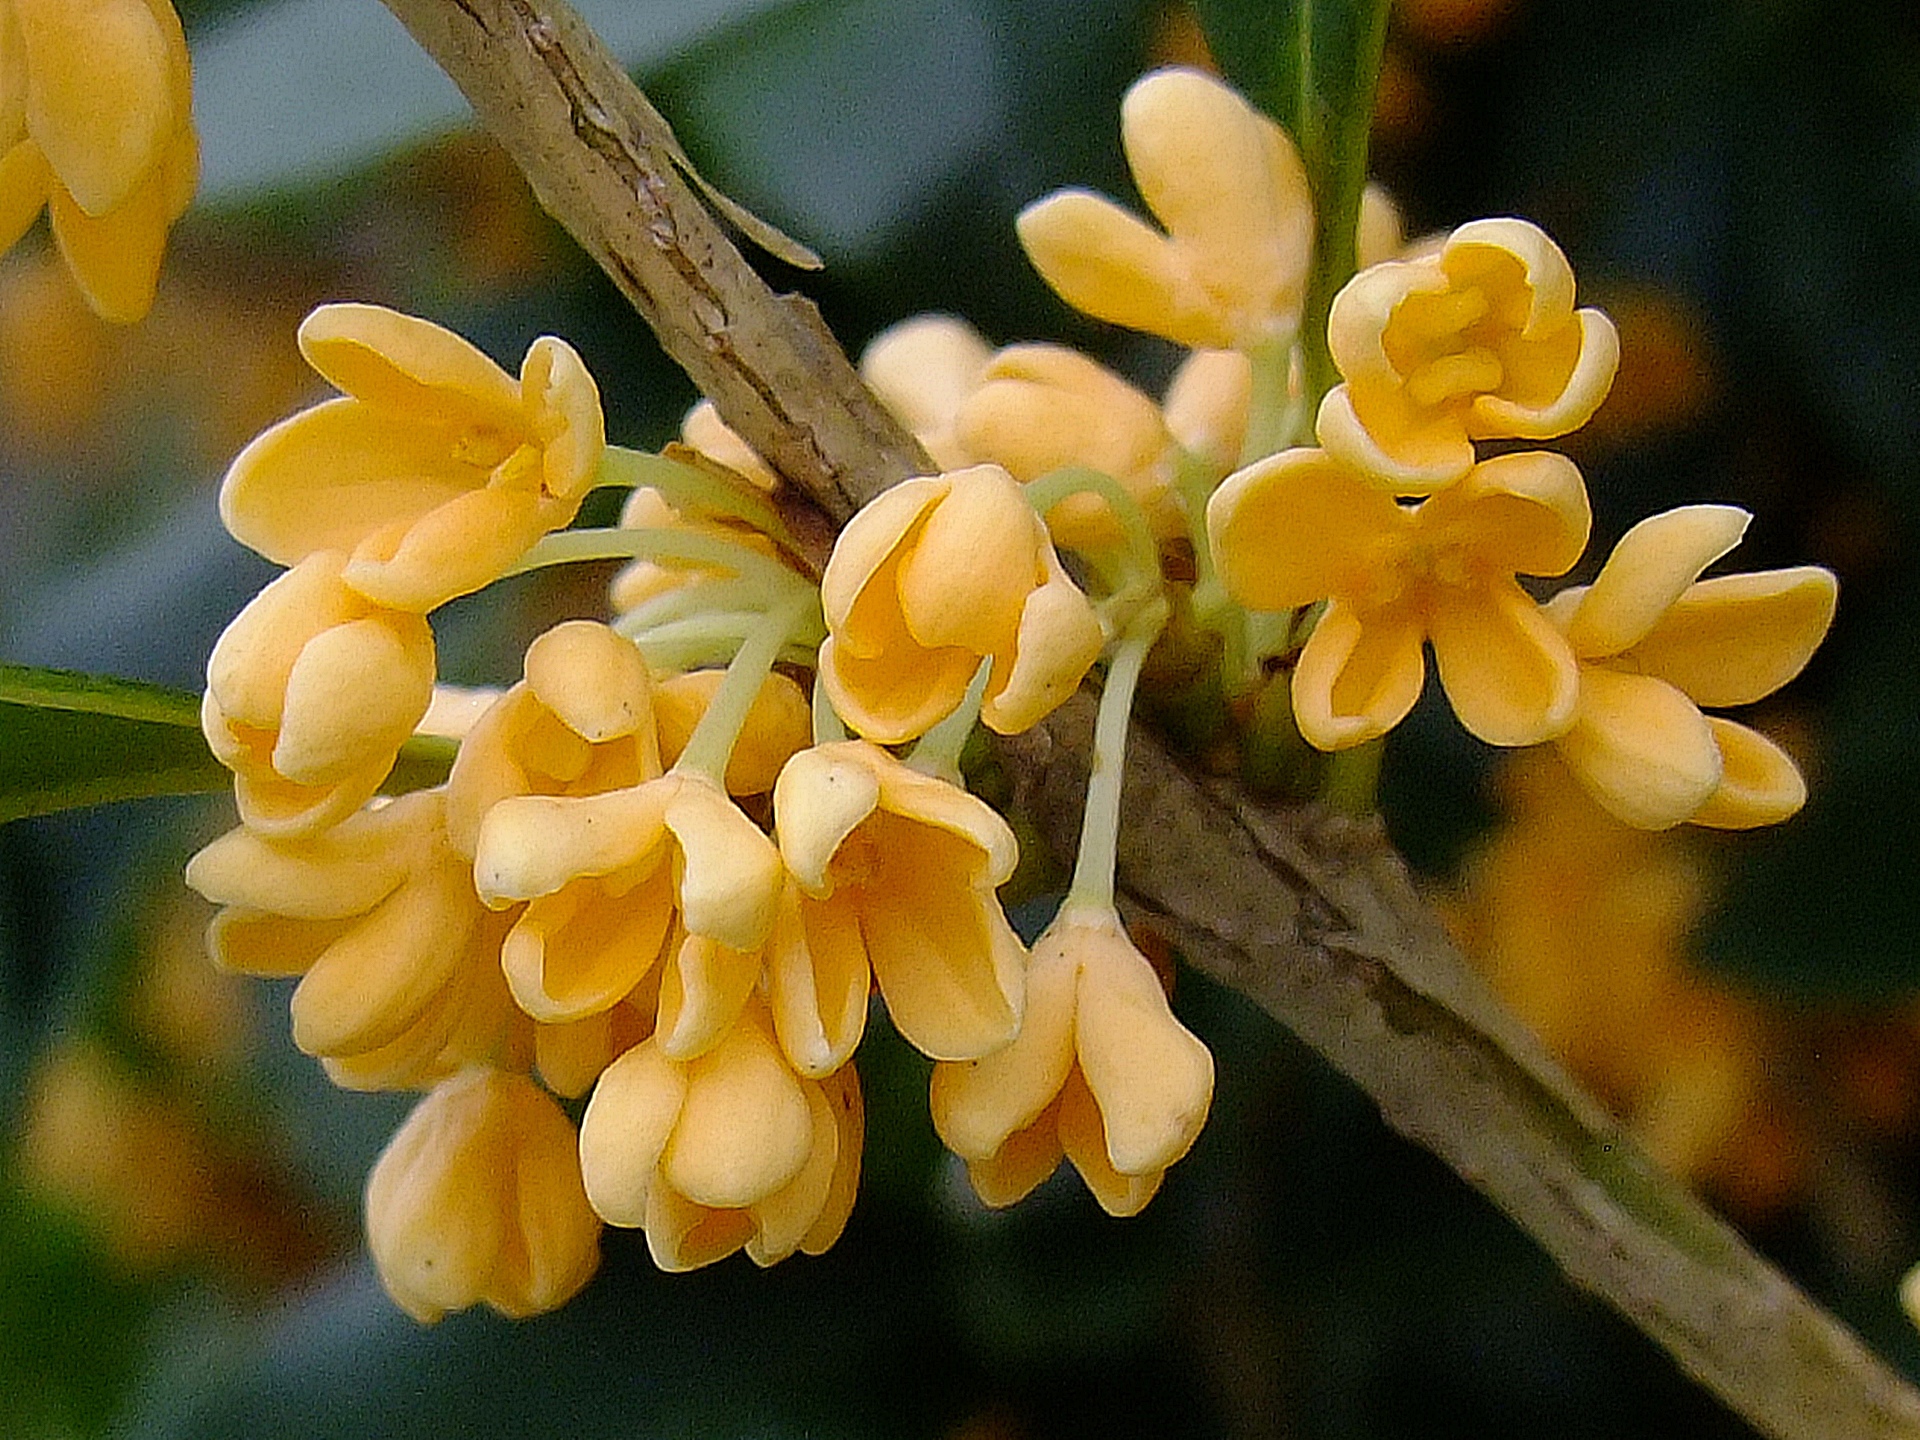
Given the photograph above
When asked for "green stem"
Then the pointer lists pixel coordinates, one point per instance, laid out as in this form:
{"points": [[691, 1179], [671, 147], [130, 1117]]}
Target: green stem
{"points": [[1352, 784], [667, 547], [711, 744], [1142, 550], [1334, 149], [938, 751], [828, 727], [1100, 822], [698, 597], [707, 639], [1274, 412], [688, 487]]}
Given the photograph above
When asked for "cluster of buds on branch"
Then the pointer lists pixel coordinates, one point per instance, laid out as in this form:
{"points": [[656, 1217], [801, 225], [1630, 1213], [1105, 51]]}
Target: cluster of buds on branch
{"points": [[673, 865]]}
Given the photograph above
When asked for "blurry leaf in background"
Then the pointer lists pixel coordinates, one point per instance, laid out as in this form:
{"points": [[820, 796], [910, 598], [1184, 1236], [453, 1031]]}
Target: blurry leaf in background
{"points": [[68, 739], [297, 92]]}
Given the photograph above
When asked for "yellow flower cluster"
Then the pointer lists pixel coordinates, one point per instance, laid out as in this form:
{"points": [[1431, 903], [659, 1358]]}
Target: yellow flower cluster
{"points": [[112, 177], [669, 887], [674, 864]]}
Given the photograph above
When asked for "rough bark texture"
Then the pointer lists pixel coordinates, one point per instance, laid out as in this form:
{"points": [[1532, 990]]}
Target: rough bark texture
{"points": [[1312, 917]]}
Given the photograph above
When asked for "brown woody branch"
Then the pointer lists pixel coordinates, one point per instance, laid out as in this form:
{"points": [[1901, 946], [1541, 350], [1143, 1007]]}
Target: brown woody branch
{"points": [[1311, 917]]}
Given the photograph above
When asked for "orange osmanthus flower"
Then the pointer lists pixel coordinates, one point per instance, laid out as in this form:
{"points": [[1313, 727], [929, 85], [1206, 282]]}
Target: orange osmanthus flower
{"points": [[435, 471], [893, 875], [1477, 341], [932, 577], [1229, 272], [95, 128], [1300, 527], [1101, 1072], [1655, 643], [478, 1198]]}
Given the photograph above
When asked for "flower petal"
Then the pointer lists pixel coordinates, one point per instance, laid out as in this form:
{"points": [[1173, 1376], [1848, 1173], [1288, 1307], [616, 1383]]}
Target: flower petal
{"points": [[1509, 674], [818, 982], [1059, 638], [458, 547], [1115, 267], [979, 1104], [1028, 1157], [864, 546], [821, 796], [1648, 571], [80, 53], [353, 695], [581, 951], [1084, 1139], [1735, 638], [977, 556], [1641, 748], [411, 368], [561, 406], [729, 873], [376, 979], [947, 962], [1357, 677], [1759, 783], [625, 1131], [1525, 513], [329, 477], [1152, 1078], [745, 1129], [702, 992], [592, 678], [1299, 526]]}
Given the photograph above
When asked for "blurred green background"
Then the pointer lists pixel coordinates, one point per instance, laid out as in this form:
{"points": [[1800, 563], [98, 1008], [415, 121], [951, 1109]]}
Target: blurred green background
{"points": [[1736, 181]]}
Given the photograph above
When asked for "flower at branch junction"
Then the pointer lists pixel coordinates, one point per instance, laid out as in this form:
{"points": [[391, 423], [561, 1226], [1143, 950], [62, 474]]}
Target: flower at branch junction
{"points": [[1230, 270], [1300, 527], [95, 127], [1655, 643], [311, 691], [725, 1150], [894, 876], [923, 369], [1101, 1072], [436, 470], [478, 1198], [1478, 340], [935, 575], [1039, 408]]}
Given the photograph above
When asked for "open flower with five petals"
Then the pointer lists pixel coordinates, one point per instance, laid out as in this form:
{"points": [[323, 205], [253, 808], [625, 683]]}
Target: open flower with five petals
{"points": [[1478, 340], [1230, 270], [95, 127], [1101, 1072], [1655, 643], [478, 1198], [436, 470], [728, 1149], [1300, 527], [935, 575], [893, 875]]}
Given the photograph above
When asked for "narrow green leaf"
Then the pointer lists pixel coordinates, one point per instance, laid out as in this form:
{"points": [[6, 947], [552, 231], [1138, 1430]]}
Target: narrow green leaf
{"points": [[69, 739], [1312, 65]]}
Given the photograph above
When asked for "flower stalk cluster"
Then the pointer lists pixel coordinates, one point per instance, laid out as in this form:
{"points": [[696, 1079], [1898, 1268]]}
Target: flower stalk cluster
{"points": [[679, 860]]}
